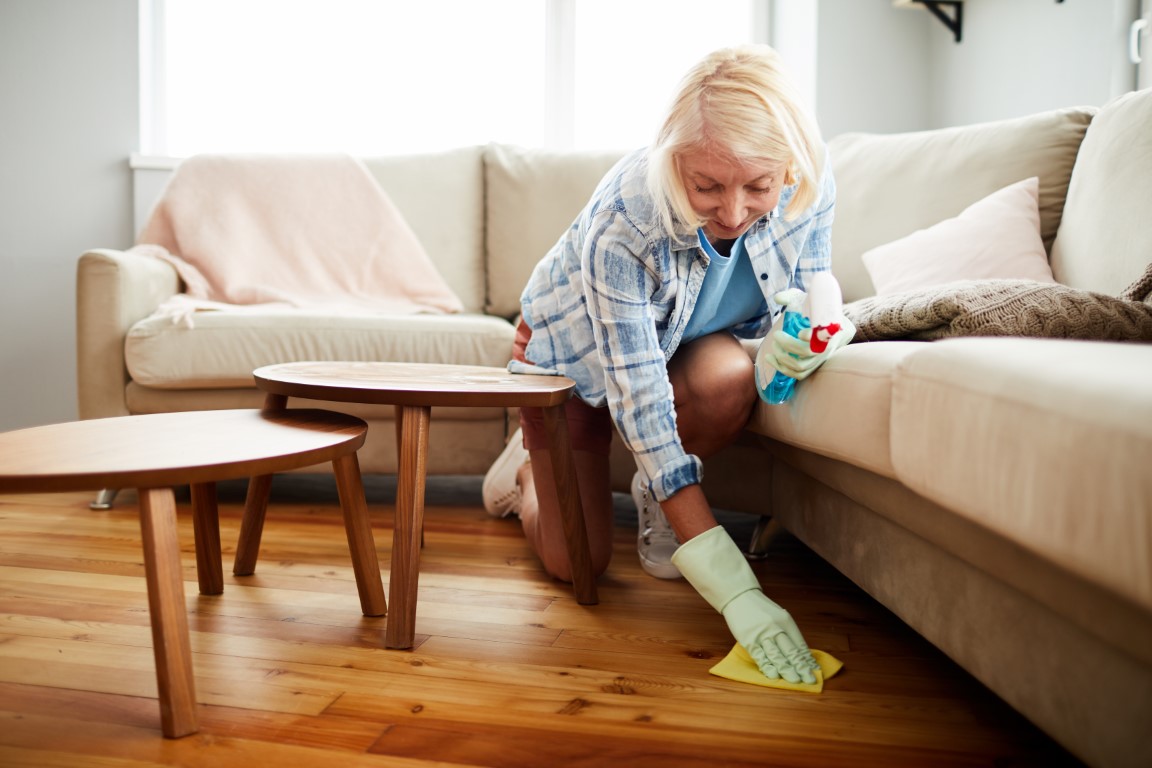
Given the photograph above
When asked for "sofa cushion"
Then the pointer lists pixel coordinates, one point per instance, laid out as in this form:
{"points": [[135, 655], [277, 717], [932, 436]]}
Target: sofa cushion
{"points": [[841, 411], [223, 348], [533, 196], [888, 186], [1045, 442], [441, 196], [1104, 241]]}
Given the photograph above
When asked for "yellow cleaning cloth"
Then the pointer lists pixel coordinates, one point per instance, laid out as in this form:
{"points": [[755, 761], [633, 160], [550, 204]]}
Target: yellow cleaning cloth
{"points": [[739, 666]]}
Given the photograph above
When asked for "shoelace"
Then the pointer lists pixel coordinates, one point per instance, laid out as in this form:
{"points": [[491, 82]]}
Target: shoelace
{"points": [[656, 526]]}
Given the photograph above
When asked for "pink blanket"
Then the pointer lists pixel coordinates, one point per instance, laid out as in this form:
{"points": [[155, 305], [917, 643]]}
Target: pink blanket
{"points": [[296, 230]]}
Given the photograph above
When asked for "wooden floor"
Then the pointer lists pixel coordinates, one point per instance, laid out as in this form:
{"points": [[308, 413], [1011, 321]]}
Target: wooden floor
{"points": [[509, 669]]}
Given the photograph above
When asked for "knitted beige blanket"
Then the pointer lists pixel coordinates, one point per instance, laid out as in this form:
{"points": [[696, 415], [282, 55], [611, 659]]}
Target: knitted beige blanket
{"points": [[1006, 308]]}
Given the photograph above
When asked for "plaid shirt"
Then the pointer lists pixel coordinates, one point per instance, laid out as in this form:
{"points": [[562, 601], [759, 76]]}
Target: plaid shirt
{"points": [[609, 303]]}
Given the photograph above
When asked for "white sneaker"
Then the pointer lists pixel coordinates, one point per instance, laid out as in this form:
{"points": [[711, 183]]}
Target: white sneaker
{"points": [[500, 490], [655, 541]]}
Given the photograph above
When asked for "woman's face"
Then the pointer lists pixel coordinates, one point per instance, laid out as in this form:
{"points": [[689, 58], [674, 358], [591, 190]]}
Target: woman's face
{"points": [[729, 194]]}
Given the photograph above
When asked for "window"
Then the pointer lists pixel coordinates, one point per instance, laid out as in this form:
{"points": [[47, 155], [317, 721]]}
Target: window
{"points": [[384, 77]]}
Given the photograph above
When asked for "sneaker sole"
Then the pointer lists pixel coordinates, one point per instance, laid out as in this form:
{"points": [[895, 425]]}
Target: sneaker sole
{"points": [[668, 572], [509, 462]]}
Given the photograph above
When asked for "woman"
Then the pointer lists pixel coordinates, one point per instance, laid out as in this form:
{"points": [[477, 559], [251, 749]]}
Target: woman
{"points": [[683, 249]]}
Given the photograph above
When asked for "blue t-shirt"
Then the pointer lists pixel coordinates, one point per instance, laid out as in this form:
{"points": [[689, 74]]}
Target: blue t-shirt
{"points": [[730, 293]]}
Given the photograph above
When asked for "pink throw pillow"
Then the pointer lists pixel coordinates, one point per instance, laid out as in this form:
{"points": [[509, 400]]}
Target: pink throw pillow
{"points": [[997, 237]]}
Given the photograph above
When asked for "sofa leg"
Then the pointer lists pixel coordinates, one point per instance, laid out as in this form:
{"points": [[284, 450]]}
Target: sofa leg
{"points": [[766, 530], [104, 499]]}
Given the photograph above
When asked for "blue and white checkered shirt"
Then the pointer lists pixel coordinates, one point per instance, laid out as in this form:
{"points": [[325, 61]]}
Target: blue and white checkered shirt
{"points": [[609, 303]]}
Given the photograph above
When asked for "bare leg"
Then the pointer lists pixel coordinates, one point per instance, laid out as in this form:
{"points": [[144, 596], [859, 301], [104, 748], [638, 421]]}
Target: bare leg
{"points": [[714, 392], [714, 395], [540, 511]]}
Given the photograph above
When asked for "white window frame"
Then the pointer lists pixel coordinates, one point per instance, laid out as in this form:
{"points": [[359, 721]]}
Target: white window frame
{"points": [[153, 67]]}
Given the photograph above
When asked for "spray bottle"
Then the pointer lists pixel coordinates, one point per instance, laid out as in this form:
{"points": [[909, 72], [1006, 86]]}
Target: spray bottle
{"points": [[821, 311]]}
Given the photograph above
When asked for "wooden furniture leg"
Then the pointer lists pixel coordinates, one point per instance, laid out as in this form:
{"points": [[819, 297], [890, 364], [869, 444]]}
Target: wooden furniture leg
{"points": [[206, 528], [274, 402], [361, 543], [166, 608], [252, 525], [413, 423], [571, 510], [255, 507]]}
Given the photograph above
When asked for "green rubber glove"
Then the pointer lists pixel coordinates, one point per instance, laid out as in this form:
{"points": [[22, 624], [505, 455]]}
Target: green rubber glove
{"points": [[770, 356], [715, 566], [793, 355]]}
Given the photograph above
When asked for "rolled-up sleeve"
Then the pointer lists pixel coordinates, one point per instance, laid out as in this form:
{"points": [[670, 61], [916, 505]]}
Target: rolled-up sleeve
{"points": [[621, 279]]}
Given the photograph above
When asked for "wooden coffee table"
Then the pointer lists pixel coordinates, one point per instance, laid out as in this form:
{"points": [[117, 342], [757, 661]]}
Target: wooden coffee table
{"points": [[414, 389], [155, 452]]}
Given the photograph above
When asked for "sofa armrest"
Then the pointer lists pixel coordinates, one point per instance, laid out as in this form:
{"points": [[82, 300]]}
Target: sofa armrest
{"points": [[114, 289]]}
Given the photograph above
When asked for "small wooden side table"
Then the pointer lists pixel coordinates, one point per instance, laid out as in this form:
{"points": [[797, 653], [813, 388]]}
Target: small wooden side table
{"points": [[414, 389], [155, 452]]}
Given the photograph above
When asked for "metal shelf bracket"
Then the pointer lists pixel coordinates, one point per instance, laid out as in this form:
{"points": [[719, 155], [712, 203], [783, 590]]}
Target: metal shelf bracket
{"points": [[940, 8], [955, 22]]}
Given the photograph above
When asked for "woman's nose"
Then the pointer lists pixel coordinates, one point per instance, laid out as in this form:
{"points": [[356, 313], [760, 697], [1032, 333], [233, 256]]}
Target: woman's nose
{"points": [[732, 210]]}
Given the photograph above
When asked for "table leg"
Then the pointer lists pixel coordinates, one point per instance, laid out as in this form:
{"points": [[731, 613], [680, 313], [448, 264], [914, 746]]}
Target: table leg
{"points": [[361, 545], [206, 527], [255, 507], [413, 446], [170, 642], [252, 525], [400, 450], [572, 512], [274, 402]]}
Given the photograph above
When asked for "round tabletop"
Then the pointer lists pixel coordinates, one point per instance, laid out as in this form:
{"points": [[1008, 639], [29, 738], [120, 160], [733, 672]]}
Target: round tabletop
{"points": [[418, 384], [166, 449]]}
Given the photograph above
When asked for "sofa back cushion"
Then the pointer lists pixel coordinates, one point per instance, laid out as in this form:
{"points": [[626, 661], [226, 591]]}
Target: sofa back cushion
{"points": [[441, 196], [1104, 242], [889, 186], [532, 196]]}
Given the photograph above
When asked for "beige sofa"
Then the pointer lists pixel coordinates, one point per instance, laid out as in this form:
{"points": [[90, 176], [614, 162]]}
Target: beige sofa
{"points": [[484, 214], [132, 363], [995, 493]]}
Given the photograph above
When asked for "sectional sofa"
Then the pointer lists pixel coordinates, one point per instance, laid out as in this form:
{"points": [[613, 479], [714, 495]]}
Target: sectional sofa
{"points": [[993, 492]]}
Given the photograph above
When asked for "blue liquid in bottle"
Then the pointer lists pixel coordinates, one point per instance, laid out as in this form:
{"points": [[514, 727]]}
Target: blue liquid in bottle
{"points": [[781, 386]]}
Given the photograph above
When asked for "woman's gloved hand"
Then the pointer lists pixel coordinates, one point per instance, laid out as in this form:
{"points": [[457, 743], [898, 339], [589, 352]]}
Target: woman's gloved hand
{"points": [[715, 566], [793, 355]]}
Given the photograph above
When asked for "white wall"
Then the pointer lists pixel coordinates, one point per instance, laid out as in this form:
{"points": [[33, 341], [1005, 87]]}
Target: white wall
{"points": [[872, 70], [68, 93], [1023, 56], [884, 69]]}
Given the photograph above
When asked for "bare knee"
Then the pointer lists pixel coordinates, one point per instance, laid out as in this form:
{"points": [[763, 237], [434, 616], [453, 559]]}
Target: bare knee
{"points": [[714, 390]]}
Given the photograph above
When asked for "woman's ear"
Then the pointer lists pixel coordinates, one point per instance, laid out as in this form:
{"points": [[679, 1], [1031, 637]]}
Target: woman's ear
{"points": [[789, 176]]}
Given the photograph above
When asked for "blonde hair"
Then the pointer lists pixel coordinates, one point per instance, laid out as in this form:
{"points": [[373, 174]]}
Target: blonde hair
{"points": [[738, 102]]}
